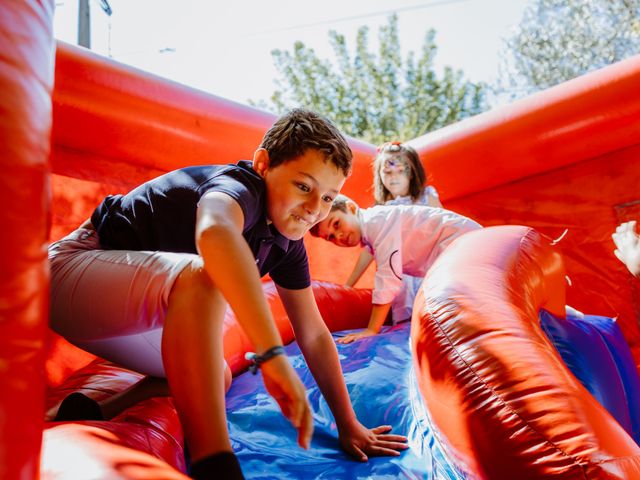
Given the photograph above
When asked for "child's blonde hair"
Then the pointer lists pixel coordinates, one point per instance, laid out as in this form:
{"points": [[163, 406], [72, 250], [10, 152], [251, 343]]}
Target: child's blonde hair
{"points": [[417, 174]]}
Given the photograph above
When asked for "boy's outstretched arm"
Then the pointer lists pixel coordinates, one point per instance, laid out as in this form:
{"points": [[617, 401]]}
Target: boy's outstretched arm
{"points": [[378, 316], [364, 260], [229, 263], [628, 246], [321, 354]]}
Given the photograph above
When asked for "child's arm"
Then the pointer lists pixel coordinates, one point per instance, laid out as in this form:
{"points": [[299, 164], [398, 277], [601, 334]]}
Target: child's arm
{"points": [[229, 263], [378, 315], [364, 260], [321, 355], [387, 285], [628, 246]]}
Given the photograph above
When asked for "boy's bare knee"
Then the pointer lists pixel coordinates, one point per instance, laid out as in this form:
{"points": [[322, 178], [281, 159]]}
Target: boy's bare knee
{"points": [[193, 283]]}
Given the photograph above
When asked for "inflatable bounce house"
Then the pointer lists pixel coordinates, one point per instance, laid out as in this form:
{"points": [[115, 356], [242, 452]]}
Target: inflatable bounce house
{"points": [[491, 379]]}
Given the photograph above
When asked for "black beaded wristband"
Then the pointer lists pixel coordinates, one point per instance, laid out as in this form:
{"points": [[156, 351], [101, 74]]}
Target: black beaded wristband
{"points": [[257, 360]]}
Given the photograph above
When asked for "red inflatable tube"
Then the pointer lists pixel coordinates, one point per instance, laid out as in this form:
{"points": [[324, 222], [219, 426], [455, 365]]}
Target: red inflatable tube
{"points": [[113, 450], [550, 129], [118, 125], [504, 403], [26, 77], [144, 441], [563, 161]]}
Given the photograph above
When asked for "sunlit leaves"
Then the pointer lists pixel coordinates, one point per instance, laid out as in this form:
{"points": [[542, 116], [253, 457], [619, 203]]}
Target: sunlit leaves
{"points": [[375, 95], [558, 40]]}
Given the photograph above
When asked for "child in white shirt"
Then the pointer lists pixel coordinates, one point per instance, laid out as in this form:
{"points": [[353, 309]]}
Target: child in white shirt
{"points": [[398, 179], [403, 239]]}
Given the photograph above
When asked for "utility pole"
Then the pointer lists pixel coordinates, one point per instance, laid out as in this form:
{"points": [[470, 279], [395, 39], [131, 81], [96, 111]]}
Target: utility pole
{"points": [[84, 24], [84, 21]]}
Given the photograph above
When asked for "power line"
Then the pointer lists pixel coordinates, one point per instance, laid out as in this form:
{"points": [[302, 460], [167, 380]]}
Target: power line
{"points": [[419, 6]]}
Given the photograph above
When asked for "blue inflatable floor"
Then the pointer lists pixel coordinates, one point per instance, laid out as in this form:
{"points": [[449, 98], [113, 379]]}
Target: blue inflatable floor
{"points": [[379, 375], [382, 385]]}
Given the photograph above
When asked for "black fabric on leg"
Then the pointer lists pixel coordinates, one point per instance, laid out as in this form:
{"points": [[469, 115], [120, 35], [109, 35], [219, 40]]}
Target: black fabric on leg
{"points": [[223, 465], [78, 406]]}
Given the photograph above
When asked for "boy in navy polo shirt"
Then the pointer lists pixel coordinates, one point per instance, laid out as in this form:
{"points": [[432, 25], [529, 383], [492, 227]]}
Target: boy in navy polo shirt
{"points": [[166, 259]]}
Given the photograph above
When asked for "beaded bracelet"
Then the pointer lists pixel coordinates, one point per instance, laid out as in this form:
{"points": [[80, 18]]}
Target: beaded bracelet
{"points": [[257, 360]]}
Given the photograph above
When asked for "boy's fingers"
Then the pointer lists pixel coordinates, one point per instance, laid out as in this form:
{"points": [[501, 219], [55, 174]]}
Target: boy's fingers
{"points": [[294, 416], [381, 429], [306, 429], [300, 410], [286, 411], [352, 337], [392, 445], [393, 438], [383, 452], [359, 454]]}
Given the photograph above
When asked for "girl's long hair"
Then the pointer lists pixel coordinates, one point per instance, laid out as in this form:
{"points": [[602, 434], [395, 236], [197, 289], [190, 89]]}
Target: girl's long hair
{"points": [[417, 174]]}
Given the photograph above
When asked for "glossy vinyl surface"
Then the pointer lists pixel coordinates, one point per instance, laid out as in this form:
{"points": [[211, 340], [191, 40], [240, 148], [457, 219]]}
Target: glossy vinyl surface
{"points": [[26, 81], [382, 386], [501, 397]]}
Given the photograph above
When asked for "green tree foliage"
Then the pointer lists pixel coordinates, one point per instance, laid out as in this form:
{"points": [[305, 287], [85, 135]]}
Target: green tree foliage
{"points": [[558, 40], [375, 96]]}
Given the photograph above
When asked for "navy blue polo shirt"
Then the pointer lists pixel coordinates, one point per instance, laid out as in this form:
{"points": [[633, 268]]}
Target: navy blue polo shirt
{"points": [[160, 215]]}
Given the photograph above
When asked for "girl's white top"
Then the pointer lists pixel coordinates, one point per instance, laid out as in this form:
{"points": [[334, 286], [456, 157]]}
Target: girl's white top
{"points": [[406, 239], [428, 193]]}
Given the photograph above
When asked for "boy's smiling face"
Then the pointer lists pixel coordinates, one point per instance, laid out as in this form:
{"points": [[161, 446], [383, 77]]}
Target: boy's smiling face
{"points": [[300, 191], [341, 228]]}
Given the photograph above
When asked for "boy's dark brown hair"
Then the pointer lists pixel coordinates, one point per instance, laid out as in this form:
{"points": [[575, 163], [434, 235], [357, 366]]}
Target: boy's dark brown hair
{"points": [[339, 203], [300, 130], [417, 175]]}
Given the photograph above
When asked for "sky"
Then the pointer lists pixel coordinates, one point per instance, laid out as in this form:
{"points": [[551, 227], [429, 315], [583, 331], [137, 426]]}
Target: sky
{"points": [[224, 48]]}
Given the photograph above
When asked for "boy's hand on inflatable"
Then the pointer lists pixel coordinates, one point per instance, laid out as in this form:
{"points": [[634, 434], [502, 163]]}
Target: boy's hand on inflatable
{"points": [[361, 442], [628, 246], [352, 337], [284, 385]]}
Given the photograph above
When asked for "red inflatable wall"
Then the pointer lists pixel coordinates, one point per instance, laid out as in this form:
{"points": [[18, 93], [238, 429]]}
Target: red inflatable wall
{"points": [[563, 159], [26, 77], [115, 126]]}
